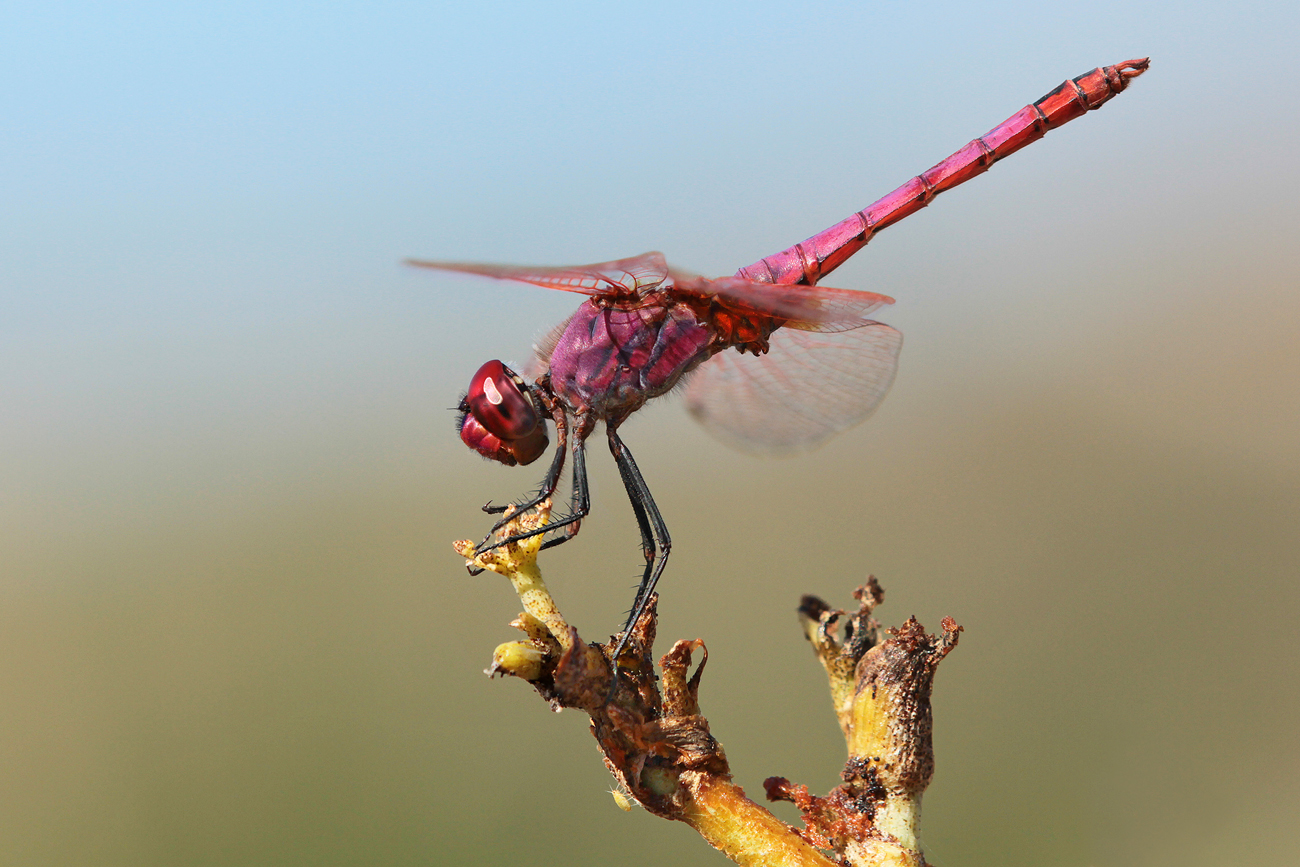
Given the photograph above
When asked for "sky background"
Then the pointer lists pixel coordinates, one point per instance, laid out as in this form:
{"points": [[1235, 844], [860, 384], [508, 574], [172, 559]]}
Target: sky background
{"points": [[232, 629]]}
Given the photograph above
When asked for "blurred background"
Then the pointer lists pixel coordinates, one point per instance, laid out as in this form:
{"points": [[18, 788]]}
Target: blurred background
{"points": [[232, 629]]}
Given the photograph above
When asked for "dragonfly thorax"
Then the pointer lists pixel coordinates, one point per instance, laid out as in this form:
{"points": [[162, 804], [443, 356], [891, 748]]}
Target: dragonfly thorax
{"points": [[612, 359]]}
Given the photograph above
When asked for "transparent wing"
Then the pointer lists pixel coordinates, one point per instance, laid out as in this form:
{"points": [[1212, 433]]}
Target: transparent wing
{"points": [[622, 276], [807, 308], [806, 388]]}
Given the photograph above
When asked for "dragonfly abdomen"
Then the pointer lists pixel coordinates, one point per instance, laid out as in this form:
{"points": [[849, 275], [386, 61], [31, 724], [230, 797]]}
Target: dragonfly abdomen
{"points": [[811, 260]]}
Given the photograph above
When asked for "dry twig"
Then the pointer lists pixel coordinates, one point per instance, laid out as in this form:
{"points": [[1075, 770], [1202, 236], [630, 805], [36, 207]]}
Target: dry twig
{"points": [[657, 743]]}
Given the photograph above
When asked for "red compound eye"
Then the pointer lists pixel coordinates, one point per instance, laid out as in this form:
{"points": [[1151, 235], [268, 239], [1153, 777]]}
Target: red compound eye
{"points": [[498, 400], [500, 420]]}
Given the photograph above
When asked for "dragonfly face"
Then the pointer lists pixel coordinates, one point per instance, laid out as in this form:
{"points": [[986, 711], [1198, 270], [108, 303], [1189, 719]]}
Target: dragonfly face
{"points": [[500, 417]]}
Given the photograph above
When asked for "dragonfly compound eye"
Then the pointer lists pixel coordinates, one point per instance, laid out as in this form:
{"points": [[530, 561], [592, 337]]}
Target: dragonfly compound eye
{"points": [[501, 421], [498, 399]]}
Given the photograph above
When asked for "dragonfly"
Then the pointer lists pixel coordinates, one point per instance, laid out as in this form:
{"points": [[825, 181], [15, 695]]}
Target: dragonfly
{"points": [[769, 360]]}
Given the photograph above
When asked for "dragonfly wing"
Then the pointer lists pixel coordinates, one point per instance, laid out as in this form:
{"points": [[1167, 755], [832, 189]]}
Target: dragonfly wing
{"points": [[622, 276], [807, 308], [806, 388]]}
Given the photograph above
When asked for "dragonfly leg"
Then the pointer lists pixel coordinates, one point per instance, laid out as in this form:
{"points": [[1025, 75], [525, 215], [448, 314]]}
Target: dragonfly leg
{"points": [[541, 394], [547, 488], [655, 541], [570, 522], [579, 505]]}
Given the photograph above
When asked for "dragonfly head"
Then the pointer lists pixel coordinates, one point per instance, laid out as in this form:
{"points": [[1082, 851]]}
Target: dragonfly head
{"points": [[501, 418]]}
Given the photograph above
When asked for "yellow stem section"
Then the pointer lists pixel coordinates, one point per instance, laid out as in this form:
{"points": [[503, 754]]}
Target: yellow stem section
{"points": [[878, 735], [742, 830], [537, 600]]}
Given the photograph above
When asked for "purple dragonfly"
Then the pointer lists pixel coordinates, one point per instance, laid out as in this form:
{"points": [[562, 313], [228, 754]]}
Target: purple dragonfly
{"points": [[808, 361]]}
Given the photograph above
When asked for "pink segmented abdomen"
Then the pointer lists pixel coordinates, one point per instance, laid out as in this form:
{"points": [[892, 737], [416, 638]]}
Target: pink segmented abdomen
{"points": [[816, 257]]}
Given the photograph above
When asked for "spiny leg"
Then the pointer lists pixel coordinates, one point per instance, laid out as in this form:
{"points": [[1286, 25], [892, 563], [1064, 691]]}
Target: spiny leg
{"points": [[579, 503], [552, 479], [570, 523], [655, 541], [547, 488]]}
